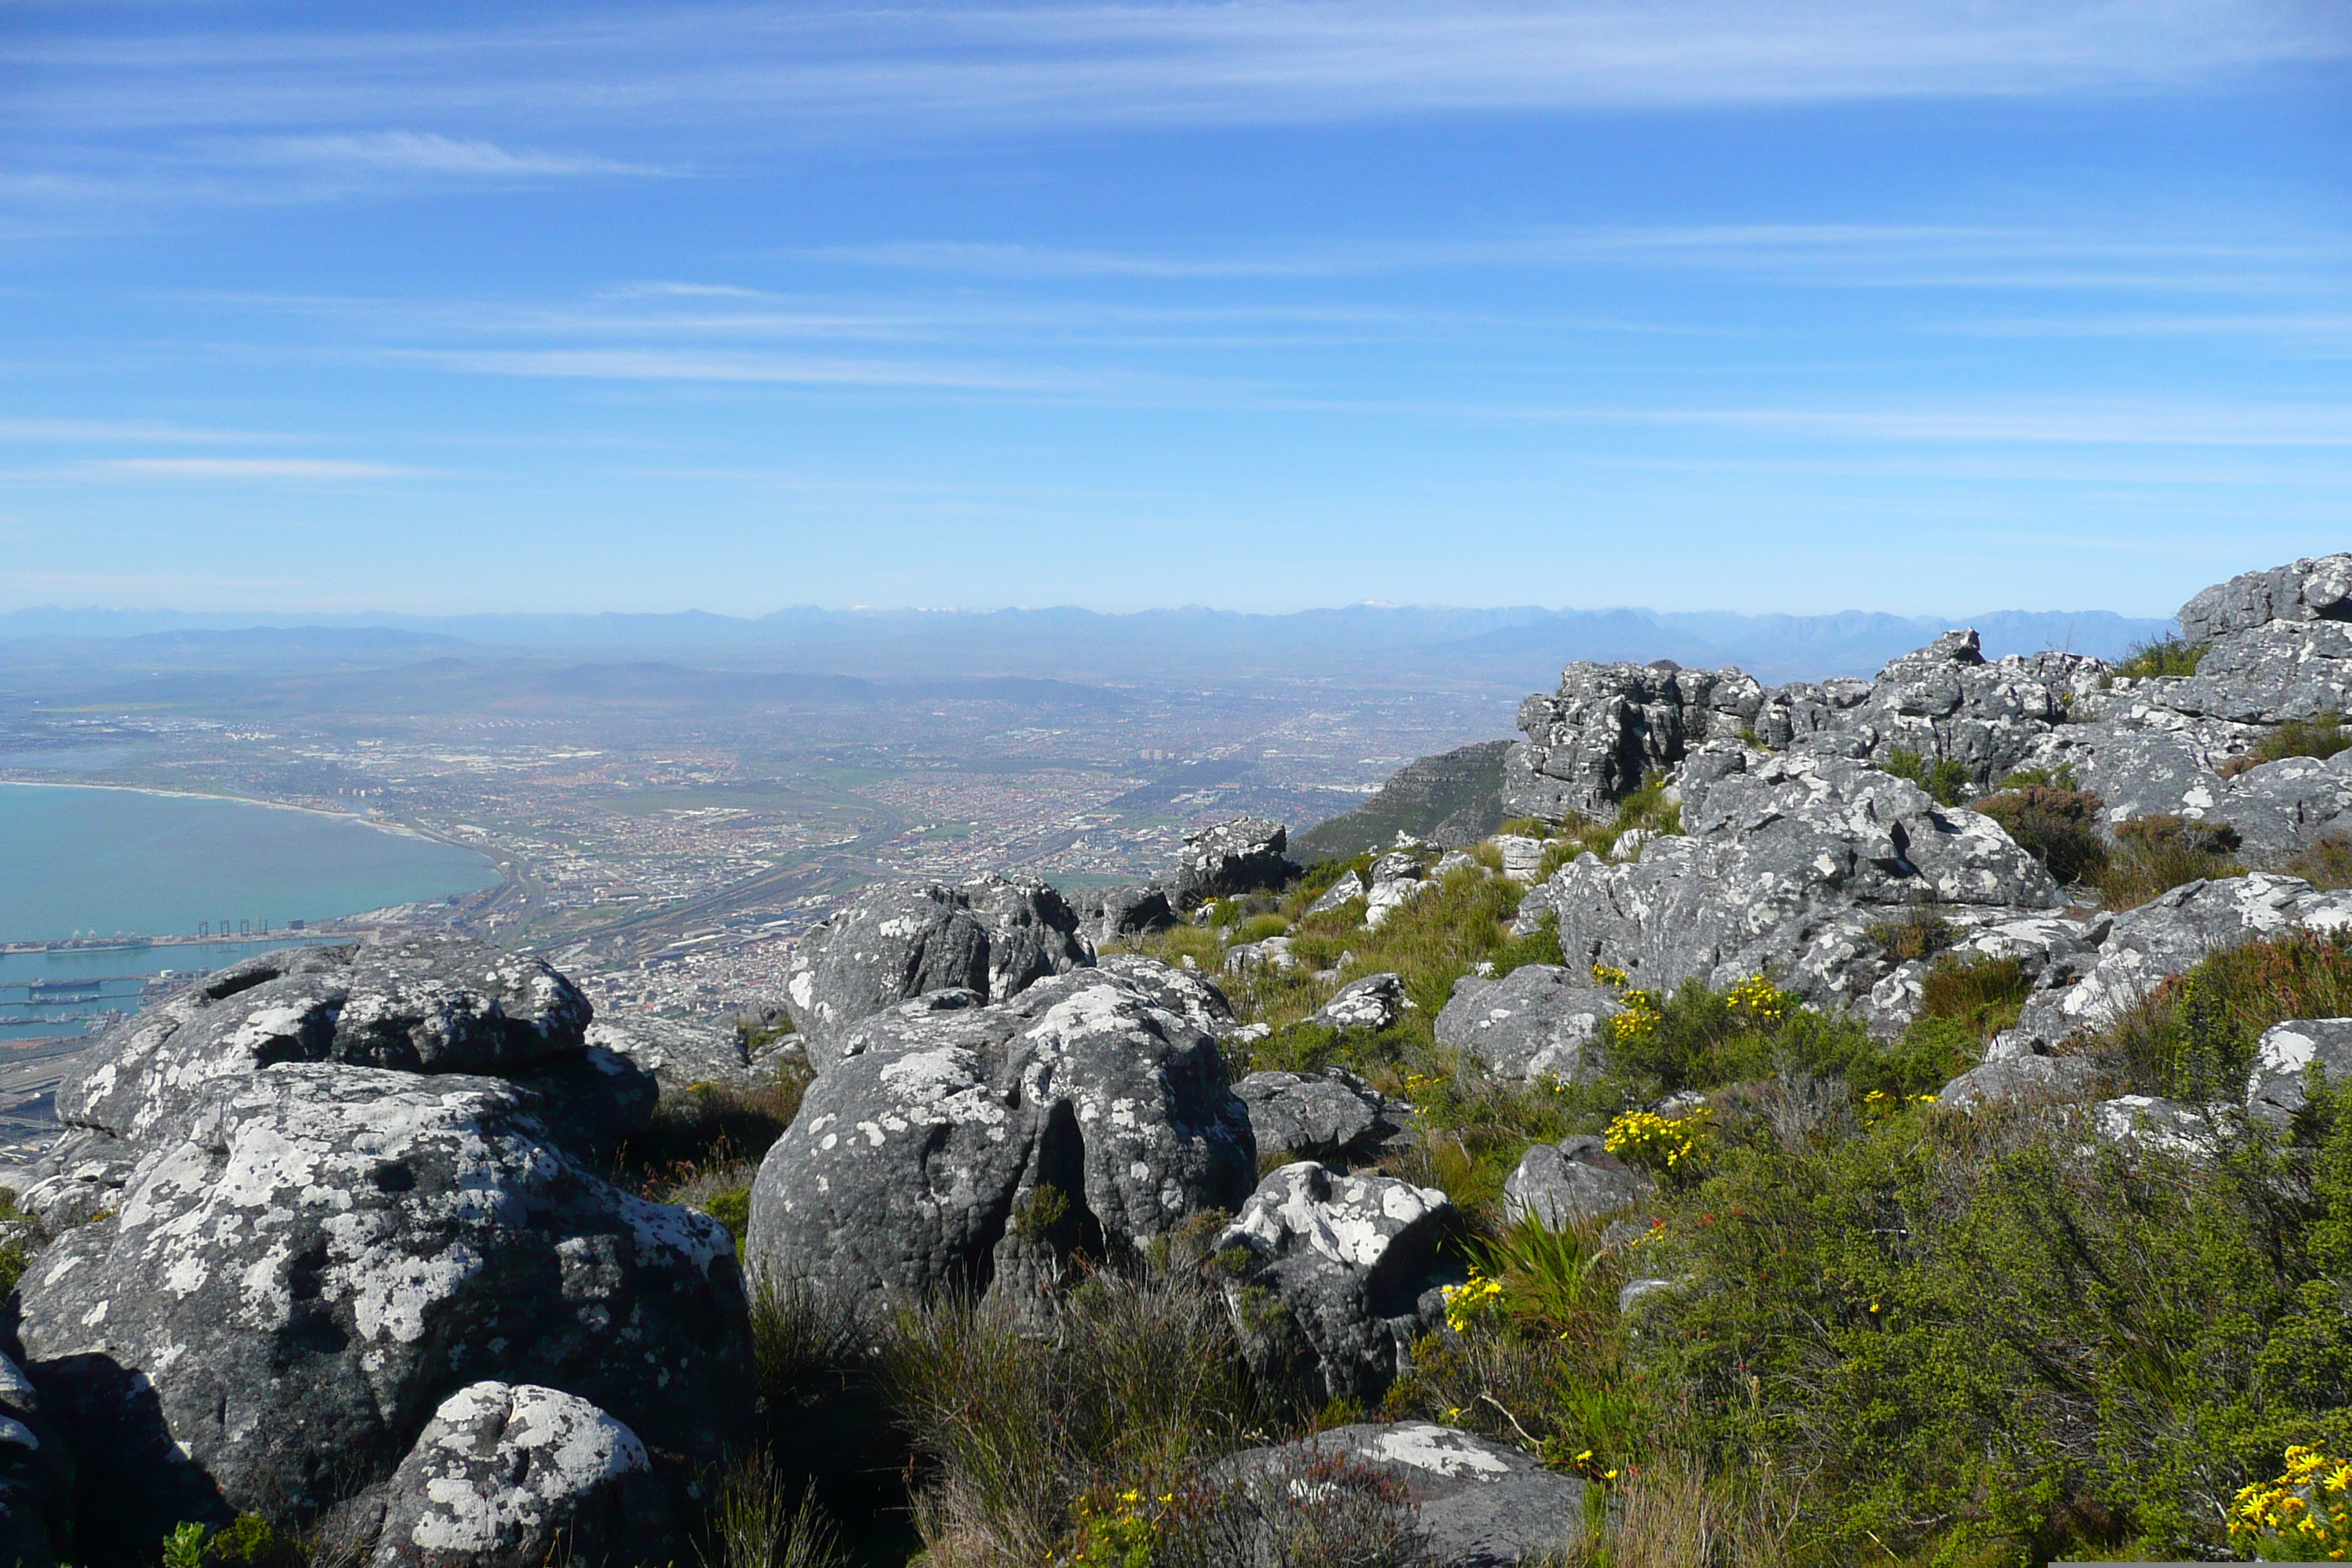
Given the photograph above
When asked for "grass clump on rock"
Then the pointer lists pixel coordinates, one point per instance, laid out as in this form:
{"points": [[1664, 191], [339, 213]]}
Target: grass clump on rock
{"points": [[2059, 828], [2154, 854]]}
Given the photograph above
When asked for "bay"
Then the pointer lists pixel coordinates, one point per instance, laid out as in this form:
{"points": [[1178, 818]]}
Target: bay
{"points": [[84, 860]]}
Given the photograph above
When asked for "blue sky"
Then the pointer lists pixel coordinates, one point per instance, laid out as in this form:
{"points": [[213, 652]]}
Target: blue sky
{"points": [[1784, 305]]}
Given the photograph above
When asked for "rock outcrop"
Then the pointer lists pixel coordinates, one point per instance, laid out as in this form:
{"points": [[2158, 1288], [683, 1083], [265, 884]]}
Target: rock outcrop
{"points": [[1246, 855], [1785, 863], [989, 936], [979, 1147], [1335, 1116], [1337, 1277], [2284, 1059]]}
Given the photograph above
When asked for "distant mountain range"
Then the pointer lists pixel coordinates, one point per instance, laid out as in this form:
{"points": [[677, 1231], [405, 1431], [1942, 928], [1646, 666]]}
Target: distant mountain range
{"points": [[1517, 645]]}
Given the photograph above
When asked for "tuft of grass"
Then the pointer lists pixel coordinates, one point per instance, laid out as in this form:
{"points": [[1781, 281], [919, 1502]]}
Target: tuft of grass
{"points": [[1946, 779], [2153, 855], [2061, 777], [2193, 1037], [2327, 864], [2059, 828], [1920, 934], [2322, 736], [1982, 995], [755, 1522], [2160, 655]]}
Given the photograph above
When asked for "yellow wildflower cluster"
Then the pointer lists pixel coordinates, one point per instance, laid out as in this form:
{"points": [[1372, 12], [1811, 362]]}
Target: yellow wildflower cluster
{"points": [[1661, 1142], [1610, 975], [1122, 1533], [1759, 1001], [1878, 1105], [1639, 1019], [1466, 1303], [2309, 1501]]}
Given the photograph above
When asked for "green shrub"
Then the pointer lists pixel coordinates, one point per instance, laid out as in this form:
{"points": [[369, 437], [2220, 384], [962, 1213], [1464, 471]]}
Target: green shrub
{"points": [[2163, 656], [718, 1123], [1257, 927], [2322, 736], [2193, 1037], [1920, 934], [2059, 828], [755, 1523], [2059, 777], [731, 1208], [2153, 855], [1946, 779], [252, 1542]]}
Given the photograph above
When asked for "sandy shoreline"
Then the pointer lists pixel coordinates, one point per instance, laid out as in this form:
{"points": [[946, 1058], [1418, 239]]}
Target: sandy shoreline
{"points": [[379, 824]]}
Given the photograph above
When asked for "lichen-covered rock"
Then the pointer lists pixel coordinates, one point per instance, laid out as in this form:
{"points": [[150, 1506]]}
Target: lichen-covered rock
{"points": [[2283, 1061], [925, 1162], [1522, 857], [420, 1006], [900, 940], [1339, 1276], [1538, 1021], [516, 1476], [278, 1304], [2145, 1124], [677, 1052], [1119, 913], [1334, 1116], [2313, 589], [1180, 991], [1575, 1180], [2280, 807], [1374, 1001], [1785, 863], [1477, 1504], [2168, 935], [1350, 886], [2023, 1077], [1273, 954], [1245, 854], [1610, 726]]}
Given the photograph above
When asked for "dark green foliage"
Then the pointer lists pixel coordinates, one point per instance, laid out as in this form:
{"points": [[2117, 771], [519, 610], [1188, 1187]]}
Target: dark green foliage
{"points": [[1946, 779], [732, 1209], [2153, 855], [20, 1238], [2059, 828], [1982, 995], [2164, 655], [2061, 777], [252, 1542], [1455, 797]]}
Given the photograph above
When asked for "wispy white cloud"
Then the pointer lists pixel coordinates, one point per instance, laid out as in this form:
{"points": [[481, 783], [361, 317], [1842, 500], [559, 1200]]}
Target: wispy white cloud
{"points": [[301, 468], [99, 432], [414, 153]]}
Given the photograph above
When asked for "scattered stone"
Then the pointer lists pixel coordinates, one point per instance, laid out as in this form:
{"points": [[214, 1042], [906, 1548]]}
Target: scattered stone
{"points": [[1522, 857], [1575, 1180], [1453, 860], [2145, 1124], [516, 1476], [924, 1163], [2283, 1061], [1273, 953], [1374, 1001], [1341, 1277], [1478, 1504], [1538, 1021]]}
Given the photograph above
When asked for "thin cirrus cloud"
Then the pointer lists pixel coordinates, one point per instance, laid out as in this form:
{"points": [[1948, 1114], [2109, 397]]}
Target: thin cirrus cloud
{"points": [[309, 469], [423, 153], [785, 71]]}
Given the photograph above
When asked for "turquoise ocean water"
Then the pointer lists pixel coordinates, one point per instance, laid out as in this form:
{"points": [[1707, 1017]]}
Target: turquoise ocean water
{"points": [[101, 861]]}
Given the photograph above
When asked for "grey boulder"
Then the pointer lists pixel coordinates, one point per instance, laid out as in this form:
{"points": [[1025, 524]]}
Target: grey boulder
{"points": [[1331, 1117], [1081, 1116], [1538, 1021], [2019, 1077], [276, 1308], [1477, 1504], [419, 1005], [2283, 1061], [2313, 589], [1350, 886], [1334, 1277], [1245, 854], [514, 1476], [1571, 1181], [1122, 913], [1374, 1001], [900, 940]]}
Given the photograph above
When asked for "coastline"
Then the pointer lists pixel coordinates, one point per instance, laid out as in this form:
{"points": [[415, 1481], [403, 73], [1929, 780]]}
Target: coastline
{"points": [[380, 824]]}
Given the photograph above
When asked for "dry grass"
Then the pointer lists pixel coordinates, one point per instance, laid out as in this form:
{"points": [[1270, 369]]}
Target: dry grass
{"points": [[1673, 1514]]}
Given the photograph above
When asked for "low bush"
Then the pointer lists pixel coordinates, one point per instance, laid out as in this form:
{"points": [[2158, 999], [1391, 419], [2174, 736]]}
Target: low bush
{"points": [[2153, 855], [2160, 655], [2059, 777], [2193, 1037], [2059, 828], [1921, 933], [2322, 736], [1946, 779], [718, 1124]]}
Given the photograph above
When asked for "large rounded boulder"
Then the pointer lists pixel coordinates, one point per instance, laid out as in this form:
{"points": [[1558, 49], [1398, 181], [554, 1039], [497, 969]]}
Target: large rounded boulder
{"points": [[979, 1147], [297, 1278]]}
